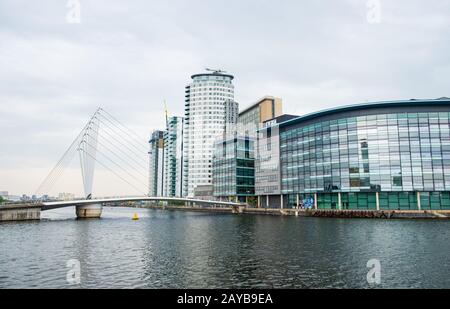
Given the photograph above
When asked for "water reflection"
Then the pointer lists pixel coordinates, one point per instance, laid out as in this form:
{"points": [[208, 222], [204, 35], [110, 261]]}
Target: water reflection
{"points": [[191, 250]]}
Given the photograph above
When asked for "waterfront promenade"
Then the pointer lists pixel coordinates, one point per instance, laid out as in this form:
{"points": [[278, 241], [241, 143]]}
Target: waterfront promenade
{"points": [[26, 212]]}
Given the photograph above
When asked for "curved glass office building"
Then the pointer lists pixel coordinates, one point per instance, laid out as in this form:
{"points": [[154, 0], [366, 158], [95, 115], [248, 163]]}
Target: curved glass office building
{"points": [[385, 155]]}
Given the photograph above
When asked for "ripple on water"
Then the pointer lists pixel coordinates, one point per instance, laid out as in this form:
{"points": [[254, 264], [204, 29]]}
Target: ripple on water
{"points": [[191, 250]]}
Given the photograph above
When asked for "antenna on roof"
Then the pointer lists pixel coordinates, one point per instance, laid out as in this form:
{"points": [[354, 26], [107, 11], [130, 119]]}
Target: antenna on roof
{"points": [[215, 71]]}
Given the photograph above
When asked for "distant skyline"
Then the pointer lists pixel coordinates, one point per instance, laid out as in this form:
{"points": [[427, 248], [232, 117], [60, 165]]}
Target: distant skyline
{"points": [[128, 57]]}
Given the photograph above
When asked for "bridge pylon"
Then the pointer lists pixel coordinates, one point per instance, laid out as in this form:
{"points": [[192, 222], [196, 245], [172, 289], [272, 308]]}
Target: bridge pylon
{"points": [[106, 142], [87, 151], [90, 211]]}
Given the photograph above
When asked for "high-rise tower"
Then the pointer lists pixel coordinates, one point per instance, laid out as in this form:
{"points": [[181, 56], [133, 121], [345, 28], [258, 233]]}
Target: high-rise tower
{"points": [[209, 109], [156, 161], [173, 157]]}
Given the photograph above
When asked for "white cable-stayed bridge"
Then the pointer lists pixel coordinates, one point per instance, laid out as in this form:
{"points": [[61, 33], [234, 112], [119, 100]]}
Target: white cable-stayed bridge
{"points": [[106, 142]]}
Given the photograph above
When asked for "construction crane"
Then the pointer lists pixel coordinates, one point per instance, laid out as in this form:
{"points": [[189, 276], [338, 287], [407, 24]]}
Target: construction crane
{"points": [[215, 71], [167, 114]]}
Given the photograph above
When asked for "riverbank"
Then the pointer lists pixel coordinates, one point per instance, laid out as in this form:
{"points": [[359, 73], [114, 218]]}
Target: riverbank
{"points": [[22, 212], [28, 212], [347, 214]]}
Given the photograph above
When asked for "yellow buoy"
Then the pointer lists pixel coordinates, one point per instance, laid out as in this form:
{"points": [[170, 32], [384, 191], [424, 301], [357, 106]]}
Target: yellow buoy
{"points": [[135, 217]]}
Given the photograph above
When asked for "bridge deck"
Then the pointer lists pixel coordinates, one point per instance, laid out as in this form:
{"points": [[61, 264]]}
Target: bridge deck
{"points": [[62, 204]]}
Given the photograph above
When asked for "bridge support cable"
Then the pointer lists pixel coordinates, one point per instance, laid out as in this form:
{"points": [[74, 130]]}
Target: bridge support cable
{"points": [[85, 149], [124, 147], [138, 139], [50, 180], [108, 136], [48, 183], [117, 174], [107, 142], [123, 143], [130, 144], [133, 166]]}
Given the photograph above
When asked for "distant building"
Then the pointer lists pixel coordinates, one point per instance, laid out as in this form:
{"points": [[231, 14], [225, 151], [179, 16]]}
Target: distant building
{"points": [[13, 198], [66, 196], [252, 117], [204, 192], [173, 158], [156, 164], [209, 110], [4, 194]]}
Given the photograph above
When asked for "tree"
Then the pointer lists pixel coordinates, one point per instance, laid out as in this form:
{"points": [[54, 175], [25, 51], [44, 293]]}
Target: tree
{"points": [[2, 200]]}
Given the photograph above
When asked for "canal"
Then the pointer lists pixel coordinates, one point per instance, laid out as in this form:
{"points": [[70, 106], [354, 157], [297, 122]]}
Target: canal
{"points": [[199, 250]]}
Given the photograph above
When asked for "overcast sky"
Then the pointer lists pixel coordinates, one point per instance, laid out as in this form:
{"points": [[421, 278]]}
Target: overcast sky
{"points": [[130, 56]]}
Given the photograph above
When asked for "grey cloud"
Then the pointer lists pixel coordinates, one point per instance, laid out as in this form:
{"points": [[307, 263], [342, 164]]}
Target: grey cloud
{"points": [[128, 56]]}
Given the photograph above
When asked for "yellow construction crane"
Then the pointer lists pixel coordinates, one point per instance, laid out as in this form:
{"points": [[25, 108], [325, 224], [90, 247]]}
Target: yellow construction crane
{"points": [[167, 114]]}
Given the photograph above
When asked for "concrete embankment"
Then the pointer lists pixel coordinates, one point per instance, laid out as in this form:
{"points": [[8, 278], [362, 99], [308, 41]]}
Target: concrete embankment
{"points": [[24, 212], [362, 214], [194, 209]]}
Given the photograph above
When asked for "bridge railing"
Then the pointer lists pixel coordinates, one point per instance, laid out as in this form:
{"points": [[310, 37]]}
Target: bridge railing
{"points": [[61, 204]]}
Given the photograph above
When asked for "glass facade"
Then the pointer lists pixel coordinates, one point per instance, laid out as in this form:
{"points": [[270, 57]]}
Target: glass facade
{"points": [[267, 177], [358, 159], [253, 118], [234, 168], [173, 157]]}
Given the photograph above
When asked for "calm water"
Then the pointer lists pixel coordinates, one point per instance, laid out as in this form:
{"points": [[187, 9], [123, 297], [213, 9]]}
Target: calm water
{"points": [[191, 250]]}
